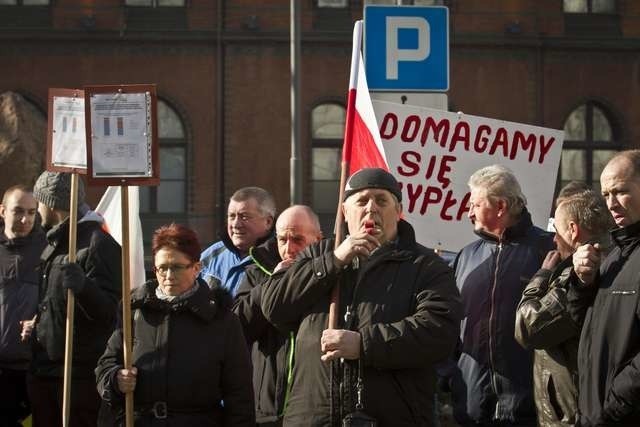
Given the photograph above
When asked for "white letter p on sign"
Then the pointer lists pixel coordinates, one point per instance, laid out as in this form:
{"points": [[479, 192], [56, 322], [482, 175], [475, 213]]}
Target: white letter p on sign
{"points": [[394, 53]]}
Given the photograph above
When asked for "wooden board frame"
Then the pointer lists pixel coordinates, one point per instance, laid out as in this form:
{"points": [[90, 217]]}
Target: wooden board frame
{"points": [[63, 93], [147, 89]]}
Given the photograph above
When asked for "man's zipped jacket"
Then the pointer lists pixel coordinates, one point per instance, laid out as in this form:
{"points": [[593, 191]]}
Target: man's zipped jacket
{"points": [[271, 348], [494, 381], [406, 308]]}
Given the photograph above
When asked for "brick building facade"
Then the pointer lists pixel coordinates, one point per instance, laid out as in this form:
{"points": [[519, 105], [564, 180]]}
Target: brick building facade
{"points": [[222, 72]]}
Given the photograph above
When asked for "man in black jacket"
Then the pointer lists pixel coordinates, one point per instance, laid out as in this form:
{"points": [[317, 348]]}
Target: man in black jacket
{"points": [[21, 243], [400, 307], [272, 350], [609, 352], [95, 279]]}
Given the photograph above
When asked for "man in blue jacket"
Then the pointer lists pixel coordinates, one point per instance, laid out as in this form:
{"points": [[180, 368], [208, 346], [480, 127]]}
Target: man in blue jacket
{"points": [[250, 218], [493, 383]]}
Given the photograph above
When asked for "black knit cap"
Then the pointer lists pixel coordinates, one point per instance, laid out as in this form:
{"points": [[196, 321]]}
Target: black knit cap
{"points": [[372, 178], [53, 189]]}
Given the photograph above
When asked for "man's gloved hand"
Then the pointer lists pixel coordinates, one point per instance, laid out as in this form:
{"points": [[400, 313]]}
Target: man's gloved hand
{"points": [[73, 277]]}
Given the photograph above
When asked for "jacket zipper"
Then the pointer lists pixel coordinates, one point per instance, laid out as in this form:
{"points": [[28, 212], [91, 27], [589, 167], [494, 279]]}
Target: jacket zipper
{"points": [[494, 381]]}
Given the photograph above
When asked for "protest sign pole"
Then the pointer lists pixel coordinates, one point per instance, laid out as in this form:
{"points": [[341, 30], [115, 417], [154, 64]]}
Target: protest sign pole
{"points": [[115, 113], [126, 300], [68, 351], [346, 159]]}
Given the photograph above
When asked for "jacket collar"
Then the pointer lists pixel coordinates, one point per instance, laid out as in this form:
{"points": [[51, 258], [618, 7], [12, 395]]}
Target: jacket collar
{"points": [[201, 304], [627, 238], [266, 256], [399, 248], [36, 233], [226, 240], [513, 233]]}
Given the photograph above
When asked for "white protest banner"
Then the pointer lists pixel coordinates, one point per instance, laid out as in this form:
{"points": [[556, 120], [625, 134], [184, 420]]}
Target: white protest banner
{"points": [[433, 153]]}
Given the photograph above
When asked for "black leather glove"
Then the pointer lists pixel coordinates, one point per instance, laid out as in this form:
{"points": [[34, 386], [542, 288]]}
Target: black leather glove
{"points": [[73, 277]]}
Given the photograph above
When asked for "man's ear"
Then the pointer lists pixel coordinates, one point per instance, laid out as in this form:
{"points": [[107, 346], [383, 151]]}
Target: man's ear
{"points": [[502, 207], [2, 210], [576, 234], [269, 222]]}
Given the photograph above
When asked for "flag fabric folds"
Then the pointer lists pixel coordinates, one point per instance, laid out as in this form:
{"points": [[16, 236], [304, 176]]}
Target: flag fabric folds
{"points": [[110, 208], [362, 144]]}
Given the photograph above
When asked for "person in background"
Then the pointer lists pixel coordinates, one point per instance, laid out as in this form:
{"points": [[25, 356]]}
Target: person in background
{"points": [[189, 354], [21, 243], [544, 321], [95, 279], [272, 350], [493, 384], [250, 216]]}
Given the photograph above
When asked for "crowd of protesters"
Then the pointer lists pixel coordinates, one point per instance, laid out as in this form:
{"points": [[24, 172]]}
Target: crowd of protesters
{"points": [[524, 328]]}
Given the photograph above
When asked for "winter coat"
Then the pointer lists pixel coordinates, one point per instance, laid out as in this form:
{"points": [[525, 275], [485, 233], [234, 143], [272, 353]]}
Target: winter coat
{"points": [[544, 323], [19, 259], [494, 377], [271, 349], [190, 355], [222, 263], [609, 352], [95, 307], [405, 306]]}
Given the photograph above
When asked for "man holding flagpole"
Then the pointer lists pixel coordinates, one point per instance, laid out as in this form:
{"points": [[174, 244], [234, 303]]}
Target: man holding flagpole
{"points": [[399, 314], [95, 280]]}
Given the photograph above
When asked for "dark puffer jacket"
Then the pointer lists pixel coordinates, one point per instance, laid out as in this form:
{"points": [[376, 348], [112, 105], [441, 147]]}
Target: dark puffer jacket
{"points": [[494, 380], [271, 349], [609, 353], [19, 259], [545, 323], [190, 355], [95, 307], [405, 307]]}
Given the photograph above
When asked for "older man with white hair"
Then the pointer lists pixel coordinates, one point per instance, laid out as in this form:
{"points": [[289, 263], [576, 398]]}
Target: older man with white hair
{"points": [[492, 384]]}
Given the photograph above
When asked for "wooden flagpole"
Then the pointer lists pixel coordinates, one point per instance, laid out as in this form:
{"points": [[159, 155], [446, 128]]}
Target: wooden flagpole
{"points": [[126, 300], [68, 351], [346, 160]]}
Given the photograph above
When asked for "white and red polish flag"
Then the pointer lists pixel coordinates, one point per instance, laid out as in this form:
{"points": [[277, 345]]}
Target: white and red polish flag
{"points": [[362, 144], [110, 208]]}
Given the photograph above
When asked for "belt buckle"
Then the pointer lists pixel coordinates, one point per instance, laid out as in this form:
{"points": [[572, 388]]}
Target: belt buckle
{"points": [[159, 410]]}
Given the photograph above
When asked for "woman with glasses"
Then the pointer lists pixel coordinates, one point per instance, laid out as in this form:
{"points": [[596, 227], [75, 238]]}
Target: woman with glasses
{"points": [[191, 366]]}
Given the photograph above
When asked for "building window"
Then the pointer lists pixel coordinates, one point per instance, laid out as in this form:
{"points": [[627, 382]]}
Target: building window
{"points": [[406, 2], [25, 14], [155, 3], [327, 130], [590, 140], [156, 15], [591, 18], [24, 2], [170, 195], [589, 6], [335, 4]]}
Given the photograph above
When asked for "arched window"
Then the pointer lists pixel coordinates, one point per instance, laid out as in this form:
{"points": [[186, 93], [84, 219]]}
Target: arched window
{"points": [[589, 6], [590, 140], [171, 195], [327, 129]]}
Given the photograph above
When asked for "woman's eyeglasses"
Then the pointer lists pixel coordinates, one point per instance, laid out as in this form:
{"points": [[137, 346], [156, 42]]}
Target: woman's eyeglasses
{"points": [[176, 268]]}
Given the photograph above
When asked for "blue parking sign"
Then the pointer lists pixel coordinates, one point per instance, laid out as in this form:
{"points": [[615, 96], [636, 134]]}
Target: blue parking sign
{"points": [[406, 48]]}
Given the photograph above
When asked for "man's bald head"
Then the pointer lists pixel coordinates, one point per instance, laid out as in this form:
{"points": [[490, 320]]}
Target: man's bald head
{"points": [[296, 228]]}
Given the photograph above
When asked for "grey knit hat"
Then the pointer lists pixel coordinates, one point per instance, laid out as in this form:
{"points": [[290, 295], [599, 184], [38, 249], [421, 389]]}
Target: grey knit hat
{"points": [[372, 178], [53, 189]]}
